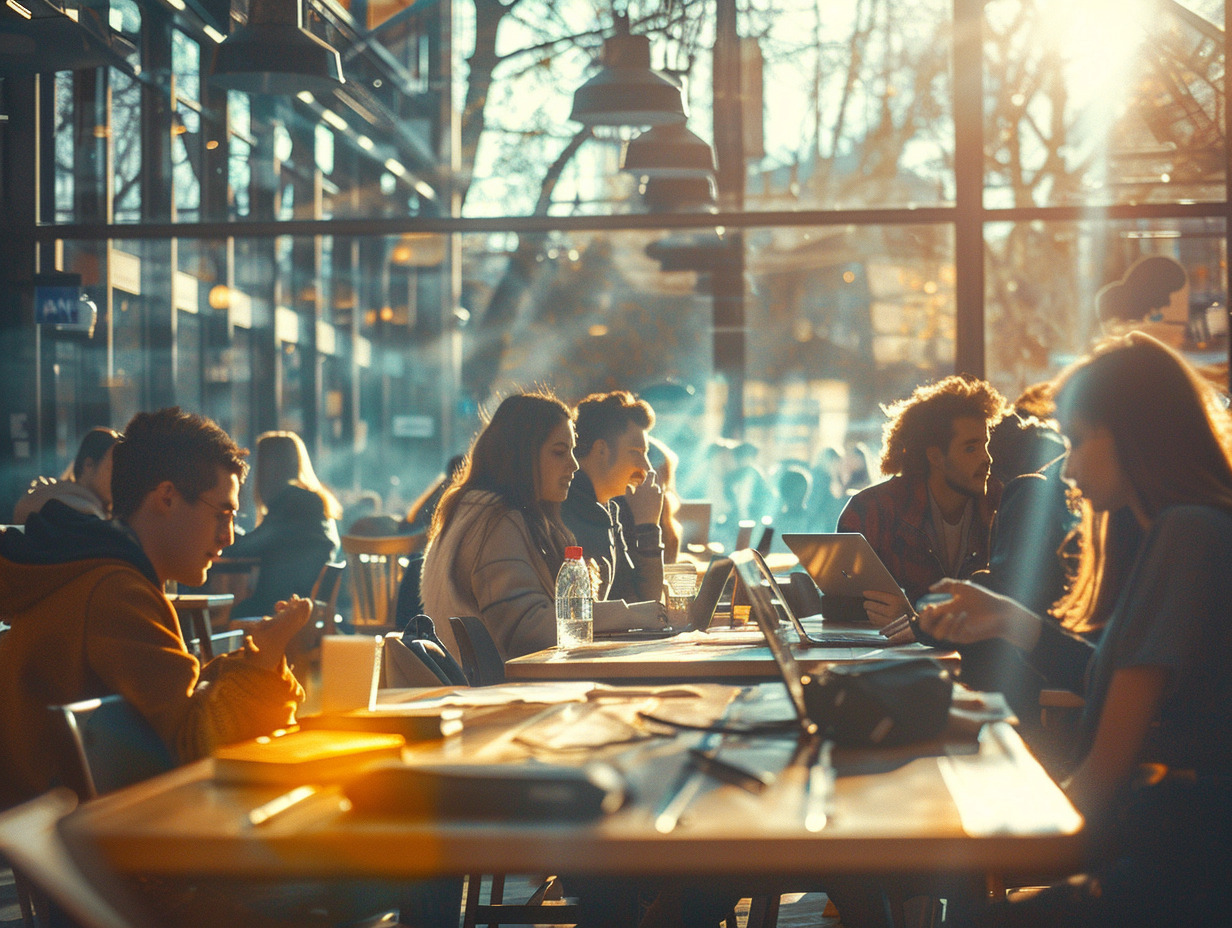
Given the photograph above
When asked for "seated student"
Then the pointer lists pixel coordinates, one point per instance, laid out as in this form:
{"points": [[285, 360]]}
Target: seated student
{"points": [[296, 533], [614, 501], [497, 540], [1153, 765], [89, 617], [86, 486], [930, 519]]}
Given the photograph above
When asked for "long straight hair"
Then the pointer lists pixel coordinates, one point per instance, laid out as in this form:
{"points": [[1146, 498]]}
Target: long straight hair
{"points": [[1172, 438], [282, 460], [504, 460]]}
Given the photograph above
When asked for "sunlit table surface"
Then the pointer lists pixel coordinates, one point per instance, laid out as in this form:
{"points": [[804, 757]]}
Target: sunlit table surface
{"points": [[965, 806], [730, 656]]}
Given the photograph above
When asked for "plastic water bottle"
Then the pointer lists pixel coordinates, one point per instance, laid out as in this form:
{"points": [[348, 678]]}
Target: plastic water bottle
{"points": [[574, 601]]}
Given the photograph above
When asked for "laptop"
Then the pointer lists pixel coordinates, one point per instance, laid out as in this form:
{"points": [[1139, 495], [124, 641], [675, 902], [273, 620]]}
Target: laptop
{"points": [[843, 564], [700, 612], [766, 606], [756, 576]]}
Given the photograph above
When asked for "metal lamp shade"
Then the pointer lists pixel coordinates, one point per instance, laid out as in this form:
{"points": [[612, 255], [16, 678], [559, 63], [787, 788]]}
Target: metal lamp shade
{"points": [[626, 91], [668, 151], [680, 193], [274, 54]]}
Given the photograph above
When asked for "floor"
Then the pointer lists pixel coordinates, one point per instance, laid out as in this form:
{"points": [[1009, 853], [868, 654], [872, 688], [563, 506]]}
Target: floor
{"points": [[797, 911]]}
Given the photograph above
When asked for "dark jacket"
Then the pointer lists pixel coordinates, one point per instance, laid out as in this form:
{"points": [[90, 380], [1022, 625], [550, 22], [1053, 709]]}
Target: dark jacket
{"points": [[294, 541], [892, 515], [632, 574]]}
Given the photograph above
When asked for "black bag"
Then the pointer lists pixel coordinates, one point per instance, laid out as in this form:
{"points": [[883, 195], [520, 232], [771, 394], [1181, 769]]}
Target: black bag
{"points": [[881, 703]]}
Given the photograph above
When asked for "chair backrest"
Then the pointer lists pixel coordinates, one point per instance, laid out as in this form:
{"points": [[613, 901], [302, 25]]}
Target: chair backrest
{"points": [[30, 839], [375, 566], [481, 659], [105, 744], [694, 518], [408, 663]]}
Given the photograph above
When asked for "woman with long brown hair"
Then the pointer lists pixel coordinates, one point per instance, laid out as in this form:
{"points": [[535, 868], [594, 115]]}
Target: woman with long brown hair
{"points": [[1149, 440], [297, 530], [497, 539]]}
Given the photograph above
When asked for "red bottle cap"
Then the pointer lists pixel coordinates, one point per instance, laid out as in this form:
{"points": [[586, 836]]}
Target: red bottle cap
{"points": [[573, 553]]}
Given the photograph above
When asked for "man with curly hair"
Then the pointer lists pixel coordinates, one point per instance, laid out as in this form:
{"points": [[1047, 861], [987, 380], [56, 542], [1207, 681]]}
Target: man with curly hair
{"points": [[930, 519]]}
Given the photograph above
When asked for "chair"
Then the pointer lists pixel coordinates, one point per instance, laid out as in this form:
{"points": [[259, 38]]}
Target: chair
{"points": [[481, 659], [694, 518], [105, 744], [375, 567], [30, 839]]}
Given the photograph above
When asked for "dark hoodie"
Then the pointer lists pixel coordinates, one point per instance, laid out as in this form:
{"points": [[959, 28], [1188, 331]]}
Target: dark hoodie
{"points": [[89, 619]]}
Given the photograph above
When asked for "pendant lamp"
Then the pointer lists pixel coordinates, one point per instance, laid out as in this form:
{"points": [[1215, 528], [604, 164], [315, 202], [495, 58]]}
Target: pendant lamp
{"points": [[274, 54], [668, 151], [688, 194], [626, 91]]}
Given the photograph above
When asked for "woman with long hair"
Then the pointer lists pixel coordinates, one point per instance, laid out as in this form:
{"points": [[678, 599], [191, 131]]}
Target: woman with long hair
{"points": [[297, 531], [1152, 772], [497, 539]]}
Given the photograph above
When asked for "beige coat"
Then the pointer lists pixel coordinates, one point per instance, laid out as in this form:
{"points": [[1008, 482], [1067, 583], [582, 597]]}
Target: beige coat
{"points": [[488, 566]]}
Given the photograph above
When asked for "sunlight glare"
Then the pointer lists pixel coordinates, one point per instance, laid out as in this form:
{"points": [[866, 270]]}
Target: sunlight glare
{"points": [[1098, 39]]}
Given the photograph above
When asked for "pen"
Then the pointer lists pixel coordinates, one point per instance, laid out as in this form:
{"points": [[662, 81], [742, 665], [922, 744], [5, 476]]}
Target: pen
{"points": [[280, 804], [726, 771], [818, 801]]}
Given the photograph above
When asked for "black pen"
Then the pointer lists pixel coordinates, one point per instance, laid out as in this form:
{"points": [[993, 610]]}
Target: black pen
{"points": [[726, 771]]}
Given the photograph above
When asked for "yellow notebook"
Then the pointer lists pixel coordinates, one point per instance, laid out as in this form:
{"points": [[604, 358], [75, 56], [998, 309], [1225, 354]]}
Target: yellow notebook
{"points": [[304, 756]]}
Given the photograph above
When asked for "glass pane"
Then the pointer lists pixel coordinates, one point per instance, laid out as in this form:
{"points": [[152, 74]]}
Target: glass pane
{"points": [[64, 145], [1136, 116], [126, 145], [1037, 323], [843, 104]]}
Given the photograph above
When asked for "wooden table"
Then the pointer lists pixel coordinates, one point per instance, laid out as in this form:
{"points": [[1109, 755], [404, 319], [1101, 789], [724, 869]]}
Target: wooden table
{"points": [[731, 657], [194, 611], [984, 807]]}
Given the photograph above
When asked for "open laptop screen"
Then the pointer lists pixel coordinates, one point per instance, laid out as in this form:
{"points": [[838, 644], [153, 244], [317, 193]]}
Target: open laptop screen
{"points": [[773, 617]]}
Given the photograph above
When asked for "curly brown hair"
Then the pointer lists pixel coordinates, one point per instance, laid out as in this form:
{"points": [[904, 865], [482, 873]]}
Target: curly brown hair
{"points": [[925, 419]]}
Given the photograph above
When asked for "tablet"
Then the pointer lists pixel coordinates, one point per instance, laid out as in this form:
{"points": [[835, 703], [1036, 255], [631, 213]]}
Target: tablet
{"points": [[843, 564]]}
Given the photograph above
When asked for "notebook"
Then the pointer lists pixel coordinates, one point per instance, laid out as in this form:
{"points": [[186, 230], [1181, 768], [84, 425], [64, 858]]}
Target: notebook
{"points": [[756, 576], [843, 564]]}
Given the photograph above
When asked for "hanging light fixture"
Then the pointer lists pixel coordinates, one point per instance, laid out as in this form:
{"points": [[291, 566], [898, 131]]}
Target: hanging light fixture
{"points": [[626, 91], [688, 194], [668, 151], [273, 53]]}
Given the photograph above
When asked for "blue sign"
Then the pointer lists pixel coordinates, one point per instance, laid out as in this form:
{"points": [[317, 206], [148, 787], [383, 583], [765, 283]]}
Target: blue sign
{"points": [[60, 306]]}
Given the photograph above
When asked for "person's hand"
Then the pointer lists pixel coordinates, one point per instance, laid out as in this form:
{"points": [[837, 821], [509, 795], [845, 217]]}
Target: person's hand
{"points": [[271, 635], [646, 500], [973, 613], [885, 610]]}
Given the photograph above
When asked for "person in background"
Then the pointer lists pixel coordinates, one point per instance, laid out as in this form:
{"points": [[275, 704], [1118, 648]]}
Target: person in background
{"points": [[612, 446], [85, 486], [497, 540], [419, 516], [828, 496], [795, 513], [296, 533], [931, 518], [856, 469], [665, 463], [748, 492], [1152, 769], [89, 617]]}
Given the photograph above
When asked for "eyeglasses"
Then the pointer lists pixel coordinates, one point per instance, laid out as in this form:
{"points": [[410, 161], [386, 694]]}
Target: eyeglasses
{"points": [[225, 516]]}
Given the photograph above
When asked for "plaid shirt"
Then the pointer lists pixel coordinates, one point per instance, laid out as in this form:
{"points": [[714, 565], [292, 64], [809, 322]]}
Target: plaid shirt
{"points": [[892, 516]]}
